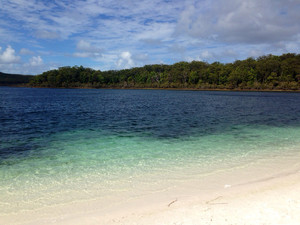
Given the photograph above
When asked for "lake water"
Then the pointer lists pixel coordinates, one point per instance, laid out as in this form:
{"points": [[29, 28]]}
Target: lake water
{"points": [[59, 146]]}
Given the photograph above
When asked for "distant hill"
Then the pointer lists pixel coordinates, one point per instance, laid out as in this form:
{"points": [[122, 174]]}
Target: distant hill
{"points": [[14, 79]]}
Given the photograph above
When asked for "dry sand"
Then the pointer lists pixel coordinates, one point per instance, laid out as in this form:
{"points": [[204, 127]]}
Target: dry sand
{"points": [[262, 198], [270, 201]]}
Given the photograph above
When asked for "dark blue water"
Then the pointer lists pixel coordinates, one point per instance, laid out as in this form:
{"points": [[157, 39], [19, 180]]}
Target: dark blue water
{"points": [[29, 115]]}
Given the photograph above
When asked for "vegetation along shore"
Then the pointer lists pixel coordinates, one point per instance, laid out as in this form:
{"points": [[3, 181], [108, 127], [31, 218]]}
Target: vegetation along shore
{"points": [[263, 73]]}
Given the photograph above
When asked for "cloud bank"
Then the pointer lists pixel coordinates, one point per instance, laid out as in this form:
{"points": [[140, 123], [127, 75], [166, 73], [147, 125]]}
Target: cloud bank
{"points": [[113, 35]]}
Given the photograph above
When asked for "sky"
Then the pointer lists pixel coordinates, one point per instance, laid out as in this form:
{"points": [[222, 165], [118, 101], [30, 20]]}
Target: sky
{"points": [[37, 36]]}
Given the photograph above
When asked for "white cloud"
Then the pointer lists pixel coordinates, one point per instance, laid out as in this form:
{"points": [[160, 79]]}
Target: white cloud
{"points": [[63, 19], [86, 50], [87, 47], [206, 55], [248, 21], [10, 62], [36, 61], [6, 33], [157, 32], [8, 56], [176, 48], [255, 53], [82, 54], [125, 60], [34, 65], [84, 46], [141, 57], [25, 51], [44, 34], [94, 56]]}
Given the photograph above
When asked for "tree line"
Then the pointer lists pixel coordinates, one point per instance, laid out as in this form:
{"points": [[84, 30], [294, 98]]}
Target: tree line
{"points": [[266, 72], [7, 79]]}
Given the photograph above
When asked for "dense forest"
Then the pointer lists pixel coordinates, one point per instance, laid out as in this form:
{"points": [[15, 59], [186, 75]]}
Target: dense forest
{"points": [[264, 73], [14, 79]]}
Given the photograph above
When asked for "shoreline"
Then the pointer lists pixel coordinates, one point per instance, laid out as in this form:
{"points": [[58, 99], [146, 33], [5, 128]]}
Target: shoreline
{"points": [[261, 193], [171, 89]]}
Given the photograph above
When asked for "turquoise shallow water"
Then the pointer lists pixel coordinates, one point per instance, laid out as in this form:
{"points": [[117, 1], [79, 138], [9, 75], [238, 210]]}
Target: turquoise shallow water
{"points": [[63, 146]]}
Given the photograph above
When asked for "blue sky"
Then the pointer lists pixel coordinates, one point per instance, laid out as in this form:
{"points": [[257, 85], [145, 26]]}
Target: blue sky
{"points": [[36, 36]]}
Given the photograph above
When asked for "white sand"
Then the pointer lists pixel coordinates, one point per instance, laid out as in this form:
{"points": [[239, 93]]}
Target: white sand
{"points": [[233, 198], [275, 201], [271, 202]]}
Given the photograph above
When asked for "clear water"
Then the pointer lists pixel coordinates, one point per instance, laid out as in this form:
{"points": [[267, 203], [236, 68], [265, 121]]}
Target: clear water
{"points": [[64, 145]]}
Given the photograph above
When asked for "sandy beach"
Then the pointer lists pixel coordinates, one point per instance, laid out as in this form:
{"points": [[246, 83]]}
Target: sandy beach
{"points": [[275, 201], [253, 195], [272, 201]]}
